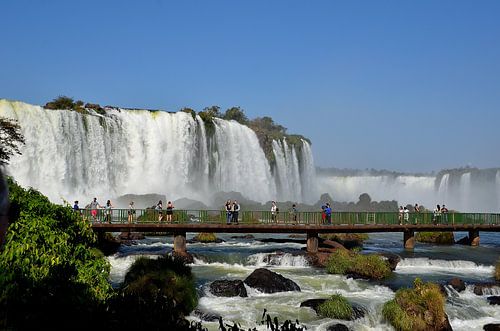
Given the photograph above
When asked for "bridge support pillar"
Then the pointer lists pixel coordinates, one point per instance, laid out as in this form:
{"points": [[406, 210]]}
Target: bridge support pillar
{"points": [[474, 237], [180, 242], [409, 239], [312, 242]]}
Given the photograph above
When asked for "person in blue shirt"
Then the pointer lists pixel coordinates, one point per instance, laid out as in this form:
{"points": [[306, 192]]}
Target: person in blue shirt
{"points": [[75, 206], [328, 214]]}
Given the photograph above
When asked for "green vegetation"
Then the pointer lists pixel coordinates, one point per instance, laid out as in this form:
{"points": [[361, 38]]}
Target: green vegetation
{"points": [[442, 238], [159, 292], [352, 263], [189, 111], [205, 237], [417, 308], [64, 102], [53, 277], [346, 239], [10, 139], [336, 307], [236, 114], [47, 262]]}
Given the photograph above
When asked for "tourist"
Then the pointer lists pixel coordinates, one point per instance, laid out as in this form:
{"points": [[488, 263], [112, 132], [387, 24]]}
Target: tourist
{"points": [[416, 210], [94, 205], [444, 213], [273, 211], [400, 215], [293, 213], [229, 213], [170, 211], [235, 210], [75, 206], [323, 214], [159, 208], [328, 213], [131, 212], [108, 211], [406, 215], [436, 215]]}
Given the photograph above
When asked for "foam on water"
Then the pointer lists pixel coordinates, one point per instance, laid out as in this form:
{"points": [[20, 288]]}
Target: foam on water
{"points": [[426, 265]]}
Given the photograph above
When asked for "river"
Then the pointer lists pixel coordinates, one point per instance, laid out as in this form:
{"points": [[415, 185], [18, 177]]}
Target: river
{"points": [[237, 258]]}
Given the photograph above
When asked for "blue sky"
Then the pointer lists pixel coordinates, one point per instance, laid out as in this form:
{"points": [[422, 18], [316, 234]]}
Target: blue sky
{"points": [[401, 85]]}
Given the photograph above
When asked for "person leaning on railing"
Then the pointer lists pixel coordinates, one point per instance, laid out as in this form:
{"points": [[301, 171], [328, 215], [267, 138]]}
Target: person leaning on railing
{"points": [[131, 212]]}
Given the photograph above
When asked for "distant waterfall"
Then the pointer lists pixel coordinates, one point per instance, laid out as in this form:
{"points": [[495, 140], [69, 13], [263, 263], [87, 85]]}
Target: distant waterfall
{"points": [[70, 156]]}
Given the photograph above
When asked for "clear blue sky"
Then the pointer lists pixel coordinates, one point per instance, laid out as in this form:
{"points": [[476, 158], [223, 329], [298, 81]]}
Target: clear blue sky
{"points": [[401, 85]]}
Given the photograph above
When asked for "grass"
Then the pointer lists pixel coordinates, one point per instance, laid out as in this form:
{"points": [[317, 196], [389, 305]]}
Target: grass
{"points": [[343, 237], [206, 237], [336, 307], [417, 308], [366, 266], [442, 238], [497, 271]]}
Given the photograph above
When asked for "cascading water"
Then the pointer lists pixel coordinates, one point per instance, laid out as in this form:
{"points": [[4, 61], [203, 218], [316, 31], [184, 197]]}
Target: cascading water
{"points": [[69, 155], [287, 171], [465, 190], [443, 187]]}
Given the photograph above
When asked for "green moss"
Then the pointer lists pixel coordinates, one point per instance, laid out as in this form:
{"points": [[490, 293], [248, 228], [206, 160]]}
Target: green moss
{"points": [[206, 237], [417, 308], [365, 266], [189, 111], [442, 238], [337, 307], [346, 239]]}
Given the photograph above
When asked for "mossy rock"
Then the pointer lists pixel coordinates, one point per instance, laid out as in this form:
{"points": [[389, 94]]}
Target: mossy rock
{"points": [[440, 238], [497, 271], [417, 308], [337, 307], [206, 237], [358, 265]]}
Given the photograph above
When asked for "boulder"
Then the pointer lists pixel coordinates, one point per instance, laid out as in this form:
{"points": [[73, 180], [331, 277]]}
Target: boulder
{"points": [[228, 288], [332, 244], [186, 257], [483, 288], [492, 327], [270, 282], [357, 310], [337, 327], [318, 260], [131, 236], [391, 258], [206, 316], [457, 284], [313, 304], [246, 236], [493, 300], [463, 241]]}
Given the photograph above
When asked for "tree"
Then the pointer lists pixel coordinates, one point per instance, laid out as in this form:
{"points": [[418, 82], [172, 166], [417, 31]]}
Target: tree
{"points": [[10, 139], [213, 111], [237, 114]]}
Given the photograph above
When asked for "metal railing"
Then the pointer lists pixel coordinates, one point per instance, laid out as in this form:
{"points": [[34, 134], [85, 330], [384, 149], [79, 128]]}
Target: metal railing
{"points": [[152, 216]]}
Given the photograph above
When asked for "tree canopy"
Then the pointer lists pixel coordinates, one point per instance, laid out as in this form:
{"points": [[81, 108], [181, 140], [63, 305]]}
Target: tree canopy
{"points": [[10, 139]]}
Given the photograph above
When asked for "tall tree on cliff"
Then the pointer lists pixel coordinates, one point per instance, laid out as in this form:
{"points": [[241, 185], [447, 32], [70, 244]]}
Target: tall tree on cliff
{"points": [[10, 139]]}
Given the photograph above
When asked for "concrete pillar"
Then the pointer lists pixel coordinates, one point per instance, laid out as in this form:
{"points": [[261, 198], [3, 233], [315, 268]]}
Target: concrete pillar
{"points": [[474, 237], [180, 242], [409, 239], [312, 242]]}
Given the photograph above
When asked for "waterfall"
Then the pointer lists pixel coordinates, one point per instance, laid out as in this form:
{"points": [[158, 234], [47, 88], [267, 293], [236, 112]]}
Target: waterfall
{"points": [[465, 190], [74, 156], [308, 174], [443, 188], [287, 171]]}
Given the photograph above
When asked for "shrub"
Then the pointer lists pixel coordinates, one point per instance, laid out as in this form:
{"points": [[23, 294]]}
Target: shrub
{"points": [[442, 238], [417, 308], [365, 266], [47, 266], [206, 237], [336, 307]]}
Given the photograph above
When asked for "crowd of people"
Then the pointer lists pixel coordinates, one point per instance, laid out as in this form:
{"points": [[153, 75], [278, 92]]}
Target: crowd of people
{"points": [[439, 215]]}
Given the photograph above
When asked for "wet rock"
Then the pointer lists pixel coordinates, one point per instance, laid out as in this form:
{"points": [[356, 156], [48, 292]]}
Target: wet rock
{"points": [[332, 244], [357, 310], [206, 316], [313, 303], [391, 258], [457, 284], [445, 326], [318, 260], [228, 288], [493, 300], [270, 282], [186, 257], [483, 288], [463, 241], [107, 243], [131, 236], [337, 327], [246, 236], [492, 327]]}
